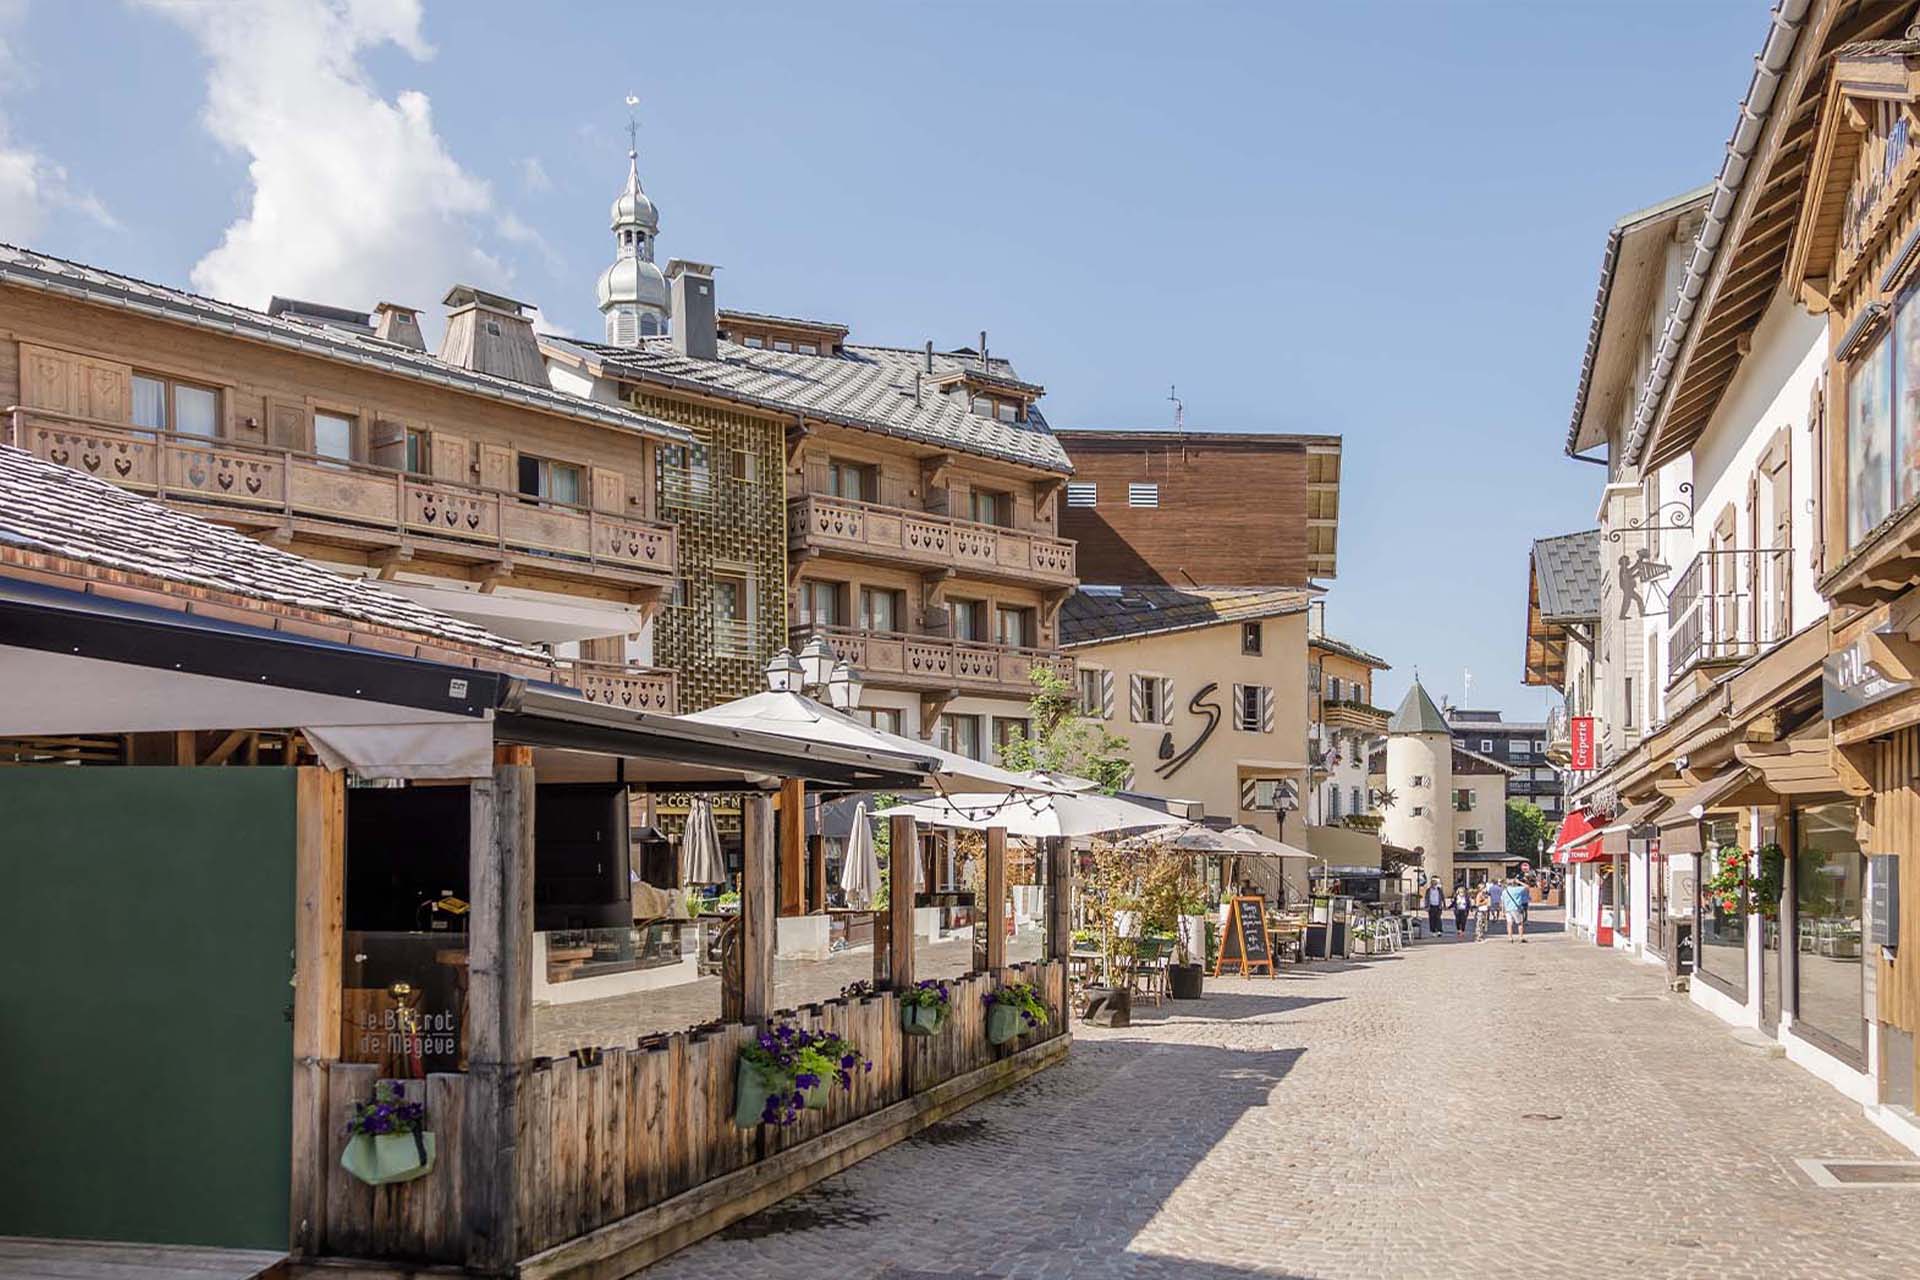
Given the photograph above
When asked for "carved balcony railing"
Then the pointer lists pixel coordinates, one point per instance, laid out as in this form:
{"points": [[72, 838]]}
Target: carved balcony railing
{"points": [[869, 531], [258, 484], [618, 685], [1351, 713], [1728, 606], [889, 659]]}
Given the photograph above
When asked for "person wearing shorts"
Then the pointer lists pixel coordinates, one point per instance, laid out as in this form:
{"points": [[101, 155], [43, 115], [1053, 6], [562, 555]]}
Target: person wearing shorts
{"points": [[1514, 900]]}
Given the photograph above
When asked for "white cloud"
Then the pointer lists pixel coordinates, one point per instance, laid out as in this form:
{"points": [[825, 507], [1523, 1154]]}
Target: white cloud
{"points": [[355, 197], [533, 175], [32, 187]]}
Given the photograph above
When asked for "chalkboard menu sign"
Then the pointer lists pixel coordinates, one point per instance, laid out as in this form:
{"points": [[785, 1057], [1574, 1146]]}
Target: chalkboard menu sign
{"points": [[1244, 947]]}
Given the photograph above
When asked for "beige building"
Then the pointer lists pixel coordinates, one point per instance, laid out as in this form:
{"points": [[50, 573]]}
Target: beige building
{"points": [[1209, 687]]}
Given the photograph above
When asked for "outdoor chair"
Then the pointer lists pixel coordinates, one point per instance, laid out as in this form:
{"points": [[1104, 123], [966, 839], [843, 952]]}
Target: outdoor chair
{"points": [[1146, 969]]}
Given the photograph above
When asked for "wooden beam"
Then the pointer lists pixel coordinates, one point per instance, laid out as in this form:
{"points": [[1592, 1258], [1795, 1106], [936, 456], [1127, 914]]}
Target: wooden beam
{"points": [[816, 873], [186, 748], [996, 912], [793, 847], [228, 745], [1059, 898], [756, 907], [499, 1011], [319, 939], [903, 849]]}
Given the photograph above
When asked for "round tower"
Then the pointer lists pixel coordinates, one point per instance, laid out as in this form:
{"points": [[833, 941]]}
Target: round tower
{"points": [[1420, 778]]}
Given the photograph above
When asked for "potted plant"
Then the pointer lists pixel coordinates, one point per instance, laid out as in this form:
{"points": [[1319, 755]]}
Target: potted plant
{"points": [[1173, 899], [789, 1069], [924, 1009], [1013, 1010], [388, 1141]]}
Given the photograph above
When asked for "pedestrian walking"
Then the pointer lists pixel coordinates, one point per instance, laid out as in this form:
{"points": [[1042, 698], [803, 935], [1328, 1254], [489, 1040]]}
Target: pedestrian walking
{"points": [[1436, 899], [1460, 908], [1483, 908], [1514, 899]]}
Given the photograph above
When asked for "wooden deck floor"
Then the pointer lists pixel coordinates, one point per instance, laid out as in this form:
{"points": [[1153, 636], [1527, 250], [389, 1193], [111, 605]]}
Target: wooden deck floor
{"points": [[24, 1259]]}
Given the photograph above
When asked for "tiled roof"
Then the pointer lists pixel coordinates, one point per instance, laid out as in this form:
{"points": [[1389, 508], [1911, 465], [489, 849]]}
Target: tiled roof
{"points": [[1568, 568], [1417, 714], [1472, 762], [871, 388], [1352, 651], [1091, 616], [38, 271], [62, 512]]}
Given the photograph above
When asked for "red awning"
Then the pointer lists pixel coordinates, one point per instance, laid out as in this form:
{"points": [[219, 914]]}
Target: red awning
{"points": [[1588, 848], [1575, 829]]}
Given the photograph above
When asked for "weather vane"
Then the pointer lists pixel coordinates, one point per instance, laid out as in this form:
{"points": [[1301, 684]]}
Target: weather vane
{"points": [[633, 126]]}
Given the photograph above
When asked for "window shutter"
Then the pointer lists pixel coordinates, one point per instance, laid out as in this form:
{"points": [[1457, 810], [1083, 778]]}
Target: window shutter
{"points": [[104, 390], [609, 490], [1106, 695], [1266, 709], [451, 457], [1249, 792], [1240, 707], [387, 443], [47, 379], [1136, 698], [1817, 429], [287, 426], [496, 467], [1166, 699]]}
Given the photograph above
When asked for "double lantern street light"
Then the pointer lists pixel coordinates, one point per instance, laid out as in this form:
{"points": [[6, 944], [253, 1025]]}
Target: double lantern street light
{"points": [[818, 671]]}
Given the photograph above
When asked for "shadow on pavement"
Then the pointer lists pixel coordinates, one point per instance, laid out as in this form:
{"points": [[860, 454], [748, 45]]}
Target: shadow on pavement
{"points": [[1226, 1006]]}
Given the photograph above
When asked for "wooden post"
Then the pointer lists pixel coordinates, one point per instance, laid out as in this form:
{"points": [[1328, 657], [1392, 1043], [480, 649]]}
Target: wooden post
{"points": [[756, 907], [817, 873], [319, 918], [499, 1011], [903, 851], [996, 904], [793, 847], [1059, 898]]}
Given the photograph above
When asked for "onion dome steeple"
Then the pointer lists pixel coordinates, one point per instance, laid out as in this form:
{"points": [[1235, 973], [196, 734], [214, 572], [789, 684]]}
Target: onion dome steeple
{"points": [[633, 292]]}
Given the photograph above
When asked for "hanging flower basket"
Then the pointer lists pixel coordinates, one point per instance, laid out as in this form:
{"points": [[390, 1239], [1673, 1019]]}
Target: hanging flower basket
{"points": [[788, 1070], [1012, 1011], [923, 1010], [388, 1140]]}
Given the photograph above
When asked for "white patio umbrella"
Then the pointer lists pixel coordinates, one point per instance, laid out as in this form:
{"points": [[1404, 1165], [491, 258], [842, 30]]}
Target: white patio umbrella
{"points": [[793, 715], [700, 859], [1246, 840], [1034, 815], [860, 873]]}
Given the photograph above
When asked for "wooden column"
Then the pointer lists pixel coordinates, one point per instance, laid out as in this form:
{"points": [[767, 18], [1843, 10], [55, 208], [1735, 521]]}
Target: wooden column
{"points": [[319, 921], [1059, 898], [995, 914], [499, 1010], [793, 847], [903, 850], [756, 907], [817, 873]]}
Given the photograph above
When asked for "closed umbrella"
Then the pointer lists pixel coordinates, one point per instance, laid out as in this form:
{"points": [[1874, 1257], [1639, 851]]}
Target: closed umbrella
{"points": [[860, 874], [700, 858]]}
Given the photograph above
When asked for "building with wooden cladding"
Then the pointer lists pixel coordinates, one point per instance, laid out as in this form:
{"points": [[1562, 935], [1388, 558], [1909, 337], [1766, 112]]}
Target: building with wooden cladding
{"points": [[1149, 507], [461, 479], [1343, 726]]}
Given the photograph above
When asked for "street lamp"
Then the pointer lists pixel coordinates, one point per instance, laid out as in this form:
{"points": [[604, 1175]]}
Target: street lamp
{"points": [[816, 661], [844, 687], [783, 673]]}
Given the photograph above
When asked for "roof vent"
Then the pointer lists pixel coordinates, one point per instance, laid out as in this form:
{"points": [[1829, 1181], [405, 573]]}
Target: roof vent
{"points": [[398, 325], [491, 333]]}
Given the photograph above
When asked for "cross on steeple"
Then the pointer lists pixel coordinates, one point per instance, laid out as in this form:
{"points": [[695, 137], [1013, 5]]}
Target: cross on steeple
{"points": [[633, 127]]}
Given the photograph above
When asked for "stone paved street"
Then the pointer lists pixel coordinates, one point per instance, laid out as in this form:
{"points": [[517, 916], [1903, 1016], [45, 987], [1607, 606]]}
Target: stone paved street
{"points": [[1486, 1110]]}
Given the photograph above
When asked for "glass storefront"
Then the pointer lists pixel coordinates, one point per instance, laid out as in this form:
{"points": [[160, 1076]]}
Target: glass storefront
{"points": [[1722, 949], [1829, 877]]}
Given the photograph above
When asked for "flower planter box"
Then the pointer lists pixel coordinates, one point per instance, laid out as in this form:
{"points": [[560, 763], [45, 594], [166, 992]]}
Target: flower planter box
{"points": [[1004, 1024], [378, 1159], [752, 1086], [922, 1020]]}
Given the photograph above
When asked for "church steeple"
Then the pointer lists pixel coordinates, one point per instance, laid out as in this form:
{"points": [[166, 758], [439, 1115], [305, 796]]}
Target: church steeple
{"points": [[633, 292]]}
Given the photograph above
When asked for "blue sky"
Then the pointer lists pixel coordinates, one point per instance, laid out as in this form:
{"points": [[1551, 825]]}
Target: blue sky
{"points": [[1380, 220]]}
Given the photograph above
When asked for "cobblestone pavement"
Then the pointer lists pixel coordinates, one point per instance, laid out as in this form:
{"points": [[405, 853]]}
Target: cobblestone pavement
{"points": [[1481, 1109]]}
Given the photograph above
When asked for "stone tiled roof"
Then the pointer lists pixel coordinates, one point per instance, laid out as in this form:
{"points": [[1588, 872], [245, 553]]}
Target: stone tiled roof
{"points": [[1091, 616], [59, 511], [1568, 568], [1467, 762], [871, 388], [1417, 714], [1348, 650], [45, 274]]}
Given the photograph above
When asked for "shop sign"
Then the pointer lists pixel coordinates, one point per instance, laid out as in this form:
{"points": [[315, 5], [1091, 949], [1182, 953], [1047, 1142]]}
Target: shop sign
{"points": [[1580, 737], [1883, 900], [1850, 680]]}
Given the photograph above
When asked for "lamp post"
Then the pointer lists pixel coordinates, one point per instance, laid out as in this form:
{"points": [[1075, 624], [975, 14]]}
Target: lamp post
{"points": [[818, 672], [783, 673]]}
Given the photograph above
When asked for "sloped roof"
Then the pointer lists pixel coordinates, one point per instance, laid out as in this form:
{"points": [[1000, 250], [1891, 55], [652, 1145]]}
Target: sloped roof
{"points": [[1355, 652], [871, 388], [46, 274], [1568, 568], [62, 512], [1098, 614], [1472, 762], [1418, 714]]}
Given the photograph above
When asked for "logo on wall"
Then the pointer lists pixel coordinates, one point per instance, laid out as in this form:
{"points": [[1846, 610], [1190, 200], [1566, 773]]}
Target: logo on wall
{"points": [[1174, 763], [1639, 575], [1580, 743]]}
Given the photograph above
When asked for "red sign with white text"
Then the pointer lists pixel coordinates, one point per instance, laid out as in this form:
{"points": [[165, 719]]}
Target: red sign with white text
{"points": [[1581, 733]]}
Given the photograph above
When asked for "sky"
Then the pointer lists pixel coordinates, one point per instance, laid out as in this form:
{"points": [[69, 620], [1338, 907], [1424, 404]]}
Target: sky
{"points": [[1379, 220]]}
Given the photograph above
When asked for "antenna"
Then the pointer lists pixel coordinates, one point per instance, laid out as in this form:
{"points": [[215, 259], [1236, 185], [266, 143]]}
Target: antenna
{"points": [[1179, 418]]}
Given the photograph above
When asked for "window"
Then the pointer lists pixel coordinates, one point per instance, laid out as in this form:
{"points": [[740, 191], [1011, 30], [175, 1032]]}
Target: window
{"points": [[1094, 685], [745, 467], [1333, 688], [1470, 840], [1333, 803], [1250, 639], [1828, 876], [1251, 704], [1721, 950], [1516, 748], [732, 615], [1151, 699], [989, 507], [1143, 495], [969, 619], [982, 407], [544, 478], [961, 735], [1016, 627], [333, 435], [419, 453], [885, 719], [1486, 746], [1539, 746], [882, 609], [782, 344], [852, 480], [823, 604], [1464, 799], [1418, 780], [1627, 711], [1870, 433], [1359, 805], [1006, 412], [1007, 729], [756, 343], [181, 407], [1081, 493], [1419, 811], [808, 348]]}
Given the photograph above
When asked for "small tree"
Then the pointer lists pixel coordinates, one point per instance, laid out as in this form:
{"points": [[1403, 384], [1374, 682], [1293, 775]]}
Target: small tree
{"points": [[1064, 740], [1528, 830]]}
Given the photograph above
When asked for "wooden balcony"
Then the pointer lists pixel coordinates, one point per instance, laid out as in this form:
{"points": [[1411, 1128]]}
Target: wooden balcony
{"points": [[353, 503], [821, 525], [1727, 607], [1353, 715], [634, 688], [931, 664]]}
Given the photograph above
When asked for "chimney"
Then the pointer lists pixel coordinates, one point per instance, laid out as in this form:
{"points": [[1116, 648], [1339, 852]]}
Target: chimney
{"points": [[489, 333], [695, 327], [929, 355], [983, 350], [398, 325]]}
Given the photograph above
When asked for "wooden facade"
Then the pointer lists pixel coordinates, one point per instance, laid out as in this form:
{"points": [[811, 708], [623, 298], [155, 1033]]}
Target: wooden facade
{"points": [[1151, 507]]}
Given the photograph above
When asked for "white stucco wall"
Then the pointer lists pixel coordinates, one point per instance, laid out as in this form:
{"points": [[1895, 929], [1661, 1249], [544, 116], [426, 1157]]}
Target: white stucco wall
{"points": [[1428, 756]]}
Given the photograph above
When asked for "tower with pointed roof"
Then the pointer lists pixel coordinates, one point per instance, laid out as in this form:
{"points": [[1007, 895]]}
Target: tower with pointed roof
{"points": [[633, 291], [1420, 776]]}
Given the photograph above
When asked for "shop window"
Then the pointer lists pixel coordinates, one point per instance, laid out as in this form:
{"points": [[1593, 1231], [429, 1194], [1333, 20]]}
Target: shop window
{"points": [[1828, 882], [1722, 949]]}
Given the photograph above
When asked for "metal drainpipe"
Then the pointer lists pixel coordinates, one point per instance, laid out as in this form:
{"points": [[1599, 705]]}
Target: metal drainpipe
{"points": [[1783, 33]]}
